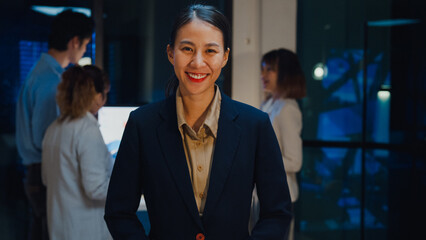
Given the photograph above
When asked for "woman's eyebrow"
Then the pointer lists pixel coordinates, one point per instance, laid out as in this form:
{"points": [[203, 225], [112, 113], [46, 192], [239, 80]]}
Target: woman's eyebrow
{"points": [[212, 44], [186, 42]]}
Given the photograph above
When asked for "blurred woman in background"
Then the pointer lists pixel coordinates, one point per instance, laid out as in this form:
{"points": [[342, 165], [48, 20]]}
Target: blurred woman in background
{"points": [[76, 164], [284, 82]]}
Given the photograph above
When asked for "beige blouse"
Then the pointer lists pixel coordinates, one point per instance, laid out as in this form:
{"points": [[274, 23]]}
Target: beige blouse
{"points": [[199, 146]]}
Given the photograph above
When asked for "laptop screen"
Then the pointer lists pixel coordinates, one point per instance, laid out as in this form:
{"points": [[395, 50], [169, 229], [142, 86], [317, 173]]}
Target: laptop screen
{"points": [[112, 121]]}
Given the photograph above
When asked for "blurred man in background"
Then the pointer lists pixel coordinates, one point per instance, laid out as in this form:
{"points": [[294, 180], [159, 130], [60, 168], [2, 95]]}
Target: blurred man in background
{"points": [[36, 106]]}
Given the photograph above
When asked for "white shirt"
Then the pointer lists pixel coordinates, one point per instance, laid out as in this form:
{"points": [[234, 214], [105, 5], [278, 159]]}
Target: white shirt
{"points": [[286, 120]]}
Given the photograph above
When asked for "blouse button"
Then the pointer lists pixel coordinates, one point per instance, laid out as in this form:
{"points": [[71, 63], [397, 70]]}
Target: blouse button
{"points": [[201, 195]]}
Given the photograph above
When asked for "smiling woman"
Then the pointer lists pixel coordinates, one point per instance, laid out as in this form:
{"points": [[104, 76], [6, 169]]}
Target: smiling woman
{"points": [[284, 82], [197, 155]]}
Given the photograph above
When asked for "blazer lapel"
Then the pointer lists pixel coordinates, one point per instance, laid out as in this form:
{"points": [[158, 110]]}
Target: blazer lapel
{"points": [[172, 148], [228, 138]]}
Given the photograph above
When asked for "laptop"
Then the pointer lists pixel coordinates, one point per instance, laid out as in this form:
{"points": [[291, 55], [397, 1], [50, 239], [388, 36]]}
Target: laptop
{"points": [[112, 121]]}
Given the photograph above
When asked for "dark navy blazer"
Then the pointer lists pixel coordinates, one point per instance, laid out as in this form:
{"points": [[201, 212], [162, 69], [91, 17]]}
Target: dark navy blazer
{"points": [[151, 160]]}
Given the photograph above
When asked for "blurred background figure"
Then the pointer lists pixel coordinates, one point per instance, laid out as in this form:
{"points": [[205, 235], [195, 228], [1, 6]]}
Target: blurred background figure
{"points": [[76, 163], [284, 82], [36, 107]]}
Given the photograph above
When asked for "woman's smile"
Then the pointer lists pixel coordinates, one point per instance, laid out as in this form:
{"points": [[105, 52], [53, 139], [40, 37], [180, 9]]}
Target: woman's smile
{"points": [[196, 77]]}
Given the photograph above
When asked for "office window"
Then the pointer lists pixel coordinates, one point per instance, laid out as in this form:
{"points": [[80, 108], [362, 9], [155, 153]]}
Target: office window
{"points": [[364, 119]]}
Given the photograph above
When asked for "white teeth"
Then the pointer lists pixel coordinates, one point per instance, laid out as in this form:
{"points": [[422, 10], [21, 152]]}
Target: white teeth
{"points": [[197, 76]]}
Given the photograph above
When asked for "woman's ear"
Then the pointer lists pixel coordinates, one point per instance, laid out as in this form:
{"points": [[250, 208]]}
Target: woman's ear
{"points": [[170, 54], [225, 57]]}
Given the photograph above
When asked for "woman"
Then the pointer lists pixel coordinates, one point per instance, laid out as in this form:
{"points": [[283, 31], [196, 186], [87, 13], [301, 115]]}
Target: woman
{"points": [[284, 82], [76, 164], [197, 155]]}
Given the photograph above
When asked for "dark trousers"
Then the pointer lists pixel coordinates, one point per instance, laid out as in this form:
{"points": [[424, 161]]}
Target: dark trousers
{"points": [[36, 194]]}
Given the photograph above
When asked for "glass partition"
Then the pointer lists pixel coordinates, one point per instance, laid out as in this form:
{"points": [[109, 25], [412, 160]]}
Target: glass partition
{"points": [[330, 194], [364, 119]]}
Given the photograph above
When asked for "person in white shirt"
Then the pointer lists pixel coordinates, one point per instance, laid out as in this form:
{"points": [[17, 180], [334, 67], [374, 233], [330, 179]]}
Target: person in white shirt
{"points": [[284, 82], [76, 164]]}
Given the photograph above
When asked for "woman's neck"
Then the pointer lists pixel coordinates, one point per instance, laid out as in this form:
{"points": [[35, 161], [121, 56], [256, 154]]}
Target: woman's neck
{"points": [[277, 95], [196, 108]]}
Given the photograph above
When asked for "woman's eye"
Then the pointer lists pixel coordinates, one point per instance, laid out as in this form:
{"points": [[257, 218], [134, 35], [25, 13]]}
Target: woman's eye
{"points": [[187, 49], [211, 51]]}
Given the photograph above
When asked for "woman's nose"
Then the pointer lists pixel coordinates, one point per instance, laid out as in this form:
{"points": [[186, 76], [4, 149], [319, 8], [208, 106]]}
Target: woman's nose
{"points": [[197, 59]]}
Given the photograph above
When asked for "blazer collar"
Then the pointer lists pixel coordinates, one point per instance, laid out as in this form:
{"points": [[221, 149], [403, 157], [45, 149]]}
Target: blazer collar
{"points": [[172, 147], [228, 137]]}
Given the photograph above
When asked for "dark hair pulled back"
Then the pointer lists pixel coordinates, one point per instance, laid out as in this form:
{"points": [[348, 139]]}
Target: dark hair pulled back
{"points": [[78, 88]]}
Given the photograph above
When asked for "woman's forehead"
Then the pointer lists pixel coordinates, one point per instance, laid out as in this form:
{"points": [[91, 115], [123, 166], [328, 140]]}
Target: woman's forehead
{"points": [[197, 29]]}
